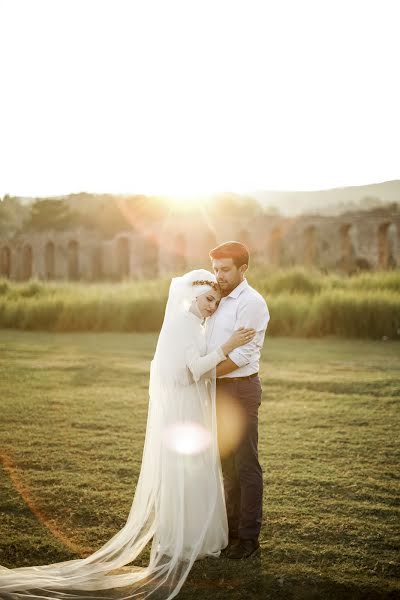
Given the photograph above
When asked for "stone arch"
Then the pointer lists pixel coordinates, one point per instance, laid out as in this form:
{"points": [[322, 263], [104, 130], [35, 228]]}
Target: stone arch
{"points": [[27, 261], [310, 245], [49, 260], [97, 263], [73, 259], [387, 245], [5, 262], [347, 247], [150, 259], [275, 246], [123, 257], [179, 252]]}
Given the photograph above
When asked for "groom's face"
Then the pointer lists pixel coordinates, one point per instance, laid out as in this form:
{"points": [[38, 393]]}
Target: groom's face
{"points": [[228, 274]]}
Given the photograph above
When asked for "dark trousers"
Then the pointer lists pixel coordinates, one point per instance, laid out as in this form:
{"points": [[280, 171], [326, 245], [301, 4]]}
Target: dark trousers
{"points": [[243, 479]]}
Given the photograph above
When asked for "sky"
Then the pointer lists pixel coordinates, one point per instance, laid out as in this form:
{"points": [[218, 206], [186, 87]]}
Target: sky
{"points": [[186, 97]]}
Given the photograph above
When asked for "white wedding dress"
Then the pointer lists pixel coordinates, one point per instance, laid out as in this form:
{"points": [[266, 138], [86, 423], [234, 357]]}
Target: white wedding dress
{"points": [[179, 499]]}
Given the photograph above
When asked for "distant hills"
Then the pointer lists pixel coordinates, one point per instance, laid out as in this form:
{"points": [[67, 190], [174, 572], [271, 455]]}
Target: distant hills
{"points": [[288, 203], [331, 202]]}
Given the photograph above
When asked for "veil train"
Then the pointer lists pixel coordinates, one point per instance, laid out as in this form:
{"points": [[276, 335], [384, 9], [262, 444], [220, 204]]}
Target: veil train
{"points": [[178, 501]]}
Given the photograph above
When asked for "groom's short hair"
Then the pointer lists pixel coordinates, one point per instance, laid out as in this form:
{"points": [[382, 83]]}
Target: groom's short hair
{"points": [[238, 252]]}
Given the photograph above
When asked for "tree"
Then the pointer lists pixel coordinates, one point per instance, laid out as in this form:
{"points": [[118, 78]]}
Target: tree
{"points": [[51, 214], [13, 215], [234, 205]]}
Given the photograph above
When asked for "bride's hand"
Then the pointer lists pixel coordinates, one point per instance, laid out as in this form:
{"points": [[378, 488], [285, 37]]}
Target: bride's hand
{"points": [[239, 337]]}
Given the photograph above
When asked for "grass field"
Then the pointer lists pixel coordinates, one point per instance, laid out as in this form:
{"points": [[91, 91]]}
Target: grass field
{"points": [[73, 410]]}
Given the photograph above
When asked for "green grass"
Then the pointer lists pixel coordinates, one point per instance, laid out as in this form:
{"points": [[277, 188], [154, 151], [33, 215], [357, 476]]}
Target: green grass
{"points": [[73, 412], [302, 304], [309, 281]]}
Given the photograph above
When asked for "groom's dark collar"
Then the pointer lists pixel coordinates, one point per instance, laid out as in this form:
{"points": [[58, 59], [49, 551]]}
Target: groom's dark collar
{"points": [[238, 289]]}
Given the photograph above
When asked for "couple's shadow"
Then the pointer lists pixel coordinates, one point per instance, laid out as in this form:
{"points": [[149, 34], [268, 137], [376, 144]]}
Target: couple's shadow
{"points": [[224, 578], [252, 579]]}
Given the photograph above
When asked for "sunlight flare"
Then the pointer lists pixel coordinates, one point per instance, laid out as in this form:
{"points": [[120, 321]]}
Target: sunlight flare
{"points": [[187, 438]]}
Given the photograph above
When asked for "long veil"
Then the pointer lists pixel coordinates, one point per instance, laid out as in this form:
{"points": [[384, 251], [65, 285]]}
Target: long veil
{"points": [[178, 495]]}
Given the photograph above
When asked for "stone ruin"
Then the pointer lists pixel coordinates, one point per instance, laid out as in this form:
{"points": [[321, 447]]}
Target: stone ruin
{"points": [[348, 243]]}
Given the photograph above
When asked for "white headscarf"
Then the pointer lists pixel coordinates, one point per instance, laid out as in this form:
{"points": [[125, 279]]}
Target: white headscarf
{"points": [[183, 291]]}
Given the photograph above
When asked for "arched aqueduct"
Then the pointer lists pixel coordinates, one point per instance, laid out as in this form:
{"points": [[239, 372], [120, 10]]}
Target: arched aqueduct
{"points": [[358, 240]]}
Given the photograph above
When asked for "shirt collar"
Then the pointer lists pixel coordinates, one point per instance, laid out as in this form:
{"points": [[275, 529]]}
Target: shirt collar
{"points": [[238, 289]]}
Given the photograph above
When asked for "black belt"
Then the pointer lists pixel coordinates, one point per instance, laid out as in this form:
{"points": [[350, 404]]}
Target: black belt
{"points": [[227, 379]]}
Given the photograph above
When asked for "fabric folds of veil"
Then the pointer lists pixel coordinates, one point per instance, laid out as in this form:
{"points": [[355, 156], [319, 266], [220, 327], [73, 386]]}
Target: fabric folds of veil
{"points": [[178, 503]]}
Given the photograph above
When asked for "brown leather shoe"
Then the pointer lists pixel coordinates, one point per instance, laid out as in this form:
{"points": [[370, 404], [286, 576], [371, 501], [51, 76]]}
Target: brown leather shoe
{"points": [[232, 542], [244, 549]]}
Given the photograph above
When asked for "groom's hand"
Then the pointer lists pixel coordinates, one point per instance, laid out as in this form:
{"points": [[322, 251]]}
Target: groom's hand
{"points": [[225, 367]]}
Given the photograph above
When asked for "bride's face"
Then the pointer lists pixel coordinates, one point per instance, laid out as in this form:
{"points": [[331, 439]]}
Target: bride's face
{"points": [[208, 302]]}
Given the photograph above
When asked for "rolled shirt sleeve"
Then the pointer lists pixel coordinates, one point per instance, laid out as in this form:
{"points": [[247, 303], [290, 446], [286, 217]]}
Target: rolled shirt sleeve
{"points": [[256, 316]]}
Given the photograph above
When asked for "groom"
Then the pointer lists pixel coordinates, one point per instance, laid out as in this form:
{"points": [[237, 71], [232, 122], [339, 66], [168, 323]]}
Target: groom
{"points": [[238, 387]]}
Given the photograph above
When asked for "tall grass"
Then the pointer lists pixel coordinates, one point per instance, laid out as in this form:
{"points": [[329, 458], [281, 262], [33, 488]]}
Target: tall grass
{"points": [[301, 303], [66, 306], [372, 315], [309, 281]]}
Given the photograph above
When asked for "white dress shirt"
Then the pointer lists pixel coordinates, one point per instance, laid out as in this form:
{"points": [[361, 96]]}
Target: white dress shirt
{"points": [[243, 307]]}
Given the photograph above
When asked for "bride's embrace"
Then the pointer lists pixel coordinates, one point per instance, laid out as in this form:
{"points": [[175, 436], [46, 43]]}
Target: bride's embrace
{"points": [[179, 499]]}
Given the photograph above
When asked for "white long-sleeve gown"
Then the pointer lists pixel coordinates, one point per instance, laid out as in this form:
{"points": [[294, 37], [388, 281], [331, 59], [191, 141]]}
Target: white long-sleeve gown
{"points": [[179, 498], [203, 497]]}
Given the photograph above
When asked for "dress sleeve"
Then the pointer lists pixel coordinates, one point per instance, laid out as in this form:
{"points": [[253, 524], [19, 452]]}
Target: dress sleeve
{"points": [[199, 365]]}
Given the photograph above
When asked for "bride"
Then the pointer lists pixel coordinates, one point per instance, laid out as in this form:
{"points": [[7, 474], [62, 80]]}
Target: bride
{"points": [[178, 502]]}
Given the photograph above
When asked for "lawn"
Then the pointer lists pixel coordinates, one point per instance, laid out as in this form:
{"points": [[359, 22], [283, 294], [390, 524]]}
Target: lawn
{"points": [[73, 411]]}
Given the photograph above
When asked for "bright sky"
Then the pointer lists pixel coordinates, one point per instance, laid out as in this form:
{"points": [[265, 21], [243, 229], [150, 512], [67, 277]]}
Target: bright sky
{"points": [[186, 96]]}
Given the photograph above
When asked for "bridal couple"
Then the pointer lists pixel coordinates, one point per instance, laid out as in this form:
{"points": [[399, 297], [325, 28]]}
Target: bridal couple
{"points": [[204, 371]]}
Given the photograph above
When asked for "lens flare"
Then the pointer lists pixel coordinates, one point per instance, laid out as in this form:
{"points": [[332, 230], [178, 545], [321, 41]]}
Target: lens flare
{"points": [[49, 522], [231, 422], [187, 438]]}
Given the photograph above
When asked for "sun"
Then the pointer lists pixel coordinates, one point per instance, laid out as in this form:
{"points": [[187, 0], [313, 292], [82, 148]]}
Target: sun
{"points": [[183, 202], [183, 196], [185, 191]]}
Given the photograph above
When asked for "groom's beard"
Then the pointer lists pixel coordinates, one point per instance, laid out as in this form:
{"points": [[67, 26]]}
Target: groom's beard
{"points": [[225, 291], [227, 288]]}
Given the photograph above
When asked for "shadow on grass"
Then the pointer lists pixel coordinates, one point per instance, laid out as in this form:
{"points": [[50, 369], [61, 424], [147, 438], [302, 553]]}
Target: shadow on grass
{"points": [[249, 580], [246, 580]]}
